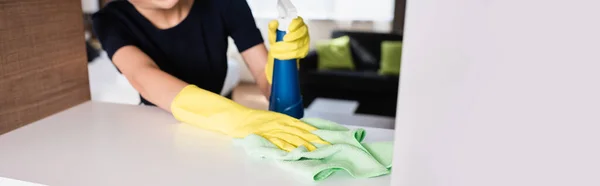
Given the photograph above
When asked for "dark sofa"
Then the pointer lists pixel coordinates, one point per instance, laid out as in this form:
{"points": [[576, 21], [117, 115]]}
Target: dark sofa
{"points": [[375, 93]]}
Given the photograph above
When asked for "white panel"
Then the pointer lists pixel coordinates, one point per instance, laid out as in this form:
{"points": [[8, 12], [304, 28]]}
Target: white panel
{"points": [[499, 93]]}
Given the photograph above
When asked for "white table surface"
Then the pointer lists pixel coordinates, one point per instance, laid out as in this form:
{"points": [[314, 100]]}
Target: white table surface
{"points": [[100, 144], [359, 120]]}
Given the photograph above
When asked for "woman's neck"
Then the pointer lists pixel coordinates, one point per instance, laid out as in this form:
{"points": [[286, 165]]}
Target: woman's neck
{"points": [[166, 18]]}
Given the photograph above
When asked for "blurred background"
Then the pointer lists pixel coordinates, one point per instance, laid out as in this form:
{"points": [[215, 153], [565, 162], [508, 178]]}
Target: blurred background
{"points": [[352, 69]]}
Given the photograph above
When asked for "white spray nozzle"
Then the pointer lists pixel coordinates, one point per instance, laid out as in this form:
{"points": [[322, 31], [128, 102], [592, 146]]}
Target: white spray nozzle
{"points": [[286, 9], [287, 12]]}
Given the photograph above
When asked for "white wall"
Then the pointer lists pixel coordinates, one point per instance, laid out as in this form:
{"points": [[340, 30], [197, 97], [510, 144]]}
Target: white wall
{"points": [[90, 6], [499, 93]]}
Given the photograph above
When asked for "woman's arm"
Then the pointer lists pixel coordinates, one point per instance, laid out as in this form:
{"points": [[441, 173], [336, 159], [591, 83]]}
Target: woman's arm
{"points": [[241, 26], [256, 59], [152, 83]]}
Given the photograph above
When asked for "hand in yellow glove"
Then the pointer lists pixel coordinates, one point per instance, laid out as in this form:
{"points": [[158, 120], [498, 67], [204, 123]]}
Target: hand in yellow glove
{"points": [[210, 111], [295, 44]]}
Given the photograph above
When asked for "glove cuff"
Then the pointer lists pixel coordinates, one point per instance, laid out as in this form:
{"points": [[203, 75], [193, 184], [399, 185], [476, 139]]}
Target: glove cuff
{"points": [[207, 110]]}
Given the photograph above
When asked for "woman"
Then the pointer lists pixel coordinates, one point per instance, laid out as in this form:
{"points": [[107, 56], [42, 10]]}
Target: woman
{"points": [[173, 52]]}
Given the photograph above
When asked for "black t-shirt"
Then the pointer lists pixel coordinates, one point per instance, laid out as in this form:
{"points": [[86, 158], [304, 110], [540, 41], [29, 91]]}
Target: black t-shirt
{"points": [[195, 50]]}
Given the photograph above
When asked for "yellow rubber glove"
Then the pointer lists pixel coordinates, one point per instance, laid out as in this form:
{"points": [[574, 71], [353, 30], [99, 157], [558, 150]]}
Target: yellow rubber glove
{"points": [[210, 111], [295, 44]]}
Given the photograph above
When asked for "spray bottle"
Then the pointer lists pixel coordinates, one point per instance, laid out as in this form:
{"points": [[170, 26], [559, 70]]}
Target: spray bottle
{"points": [[285, 89]]}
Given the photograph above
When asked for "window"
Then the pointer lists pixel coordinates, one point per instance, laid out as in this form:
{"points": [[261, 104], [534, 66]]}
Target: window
{"points": [[342, 10]]}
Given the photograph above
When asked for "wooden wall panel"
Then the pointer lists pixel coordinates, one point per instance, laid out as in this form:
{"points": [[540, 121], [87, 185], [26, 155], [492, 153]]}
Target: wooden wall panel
{"points": [[399, 11], [43, 66]]}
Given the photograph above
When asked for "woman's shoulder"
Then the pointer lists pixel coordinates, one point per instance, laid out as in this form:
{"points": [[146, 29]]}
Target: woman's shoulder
{"points": [[222, 5]]}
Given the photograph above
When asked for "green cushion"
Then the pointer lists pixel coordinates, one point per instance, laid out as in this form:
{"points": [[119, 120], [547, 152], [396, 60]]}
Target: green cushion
{"points": [[391, 57], [335, 54]]}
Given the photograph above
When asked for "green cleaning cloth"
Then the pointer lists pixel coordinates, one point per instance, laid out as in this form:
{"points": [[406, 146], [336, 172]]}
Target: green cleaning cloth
{"points": [[347, 152]]}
